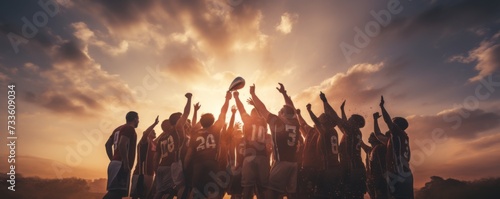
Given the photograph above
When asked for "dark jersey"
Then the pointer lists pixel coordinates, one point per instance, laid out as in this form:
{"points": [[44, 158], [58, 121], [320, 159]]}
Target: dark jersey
{"points": [[205, 144], [255, 136], [129, 132], [237, 151], [398, 152], [350, 149], [285, 137], [310, 151], [169, 145], [375, 165], [329, 139]]}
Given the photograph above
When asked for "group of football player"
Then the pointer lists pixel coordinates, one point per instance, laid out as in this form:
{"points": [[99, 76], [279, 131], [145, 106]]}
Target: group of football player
{"points": [[212, 158]]}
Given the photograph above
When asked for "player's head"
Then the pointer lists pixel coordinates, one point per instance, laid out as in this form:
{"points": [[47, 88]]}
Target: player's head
{"points": [[165, 125], [357, 121], [326, 121], [402, 123], [287, 112], [132, 117], [207, 120], [373, 139], [174, 117]]}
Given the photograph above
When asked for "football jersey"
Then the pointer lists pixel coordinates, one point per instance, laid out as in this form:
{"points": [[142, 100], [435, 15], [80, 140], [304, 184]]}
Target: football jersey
{"points": [[330, 141], [285, 136], [310, 151], [255, 132], [169, 148], [129, 132], [237, 151], [375, 165], [205, 144], [398, 152]]}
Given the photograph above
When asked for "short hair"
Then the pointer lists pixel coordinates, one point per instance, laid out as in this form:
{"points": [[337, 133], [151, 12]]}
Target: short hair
{"points": [[287, 111], [360, 120], [207, 120], [174, 117], [165, 125], [402, 123], [131, 116]]}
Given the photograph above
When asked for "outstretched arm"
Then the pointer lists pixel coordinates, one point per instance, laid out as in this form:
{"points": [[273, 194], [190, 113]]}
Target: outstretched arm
{"points": [[222, 116], [313, 116], [148, 131], [182, 121], [288, 100], [230, 128], [331, 112], [381, 137], [385, 114], [261, 108], [243, 113], [195, 114], [304, 127]]}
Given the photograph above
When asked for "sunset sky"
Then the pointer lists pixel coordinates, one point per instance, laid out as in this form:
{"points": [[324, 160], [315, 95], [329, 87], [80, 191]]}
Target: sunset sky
{"points": [[79, 66]]}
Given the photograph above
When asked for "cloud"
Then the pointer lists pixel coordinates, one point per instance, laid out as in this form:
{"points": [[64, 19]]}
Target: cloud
{"points": [[75, 84], [88, 37], [184, 68], [457, 15], [486, 55], [286, 23], [459, 123], [355, 85]]}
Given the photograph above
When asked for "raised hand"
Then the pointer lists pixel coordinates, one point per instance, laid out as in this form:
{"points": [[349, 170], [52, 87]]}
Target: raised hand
{"points": [[343, 105], [252, 89], [228, 95], [382, 100], [376, 115], [236, 94], [281, 89], [197, 106], [322, 96], [188, 95], [233, 109], [308, 106], [156, 120], [250, 101]]}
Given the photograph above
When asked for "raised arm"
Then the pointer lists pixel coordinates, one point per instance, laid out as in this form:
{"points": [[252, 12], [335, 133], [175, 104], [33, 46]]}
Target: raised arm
{"points": [[195, 114], [385, 114], [329, 110], [109, 147], [376, 129], [261, 108], [222, 116], [304, 127], [148, 131], [288, 100], [182, 121], [313, 116], [230, 128], [344, 117], [243, 113]]}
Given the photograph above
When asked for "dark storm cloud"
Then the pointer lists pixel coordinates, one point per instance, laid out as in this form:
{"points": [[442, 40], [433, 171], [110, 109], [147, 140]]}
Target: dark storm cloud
{"points": [[457, 123], [457, 15]]}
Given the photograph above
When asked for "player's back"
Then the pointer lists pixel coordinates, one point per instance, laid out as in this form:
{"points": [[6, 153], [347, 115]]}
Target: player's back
{"points": [[285, 138], [205, 144]]}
